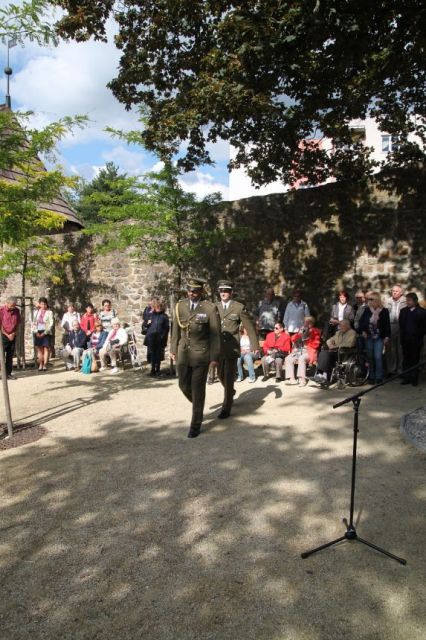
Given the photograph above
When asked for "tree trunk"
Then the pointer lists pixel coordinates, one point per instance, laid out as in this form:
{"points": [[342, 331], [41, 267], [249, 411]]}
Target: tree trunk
{"points": [[23, 314]]}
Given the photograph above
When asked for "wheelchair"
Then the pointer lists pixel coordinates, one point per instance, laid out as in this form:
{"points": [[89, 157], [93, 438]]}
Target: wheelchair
{"points": [[350, 370], [129, 352]]}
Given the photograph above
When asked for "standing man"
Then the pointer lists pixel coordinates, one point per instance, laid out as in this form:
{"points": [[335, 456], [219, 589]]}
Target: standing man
{"points": [[232, 315], [195, 344], [10, 319], [412, 324], [295, 313], [393, 355], [270, 310]]}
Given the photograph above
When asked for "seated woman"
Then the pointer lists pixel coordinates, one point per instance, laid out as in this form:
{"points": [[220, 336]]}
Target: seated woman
{"points": [[275, 348], [156, 336], [77, 341], [247, 357], [97, 338], [116, 338], [305, 349], [341, 310], [344, 338], [374, 326]]}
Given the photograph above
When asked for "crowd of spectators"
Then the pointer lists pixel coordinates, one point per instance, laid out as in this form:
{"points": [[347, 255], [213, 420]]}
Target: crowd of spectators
{"points": [[390, 332]]}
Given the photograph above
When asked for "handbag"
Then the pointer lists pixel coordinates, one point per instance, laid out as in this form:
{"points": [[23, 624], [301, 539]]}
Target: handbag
{"points": [[87, 363], [280, 354], [94, 365]]}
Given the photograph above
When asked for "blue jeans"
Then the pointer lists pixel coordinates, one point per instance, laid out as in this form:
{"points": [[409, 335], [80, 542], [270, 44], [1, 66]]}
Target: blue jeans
{"points": [[248, 359], [374, 350]]}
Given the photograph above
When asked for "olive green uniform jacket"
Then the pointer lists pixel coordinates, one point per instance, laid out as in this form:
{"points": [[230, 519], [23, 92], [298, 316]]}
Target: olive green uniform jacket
{"points": [[231, 319], [196, 334]]}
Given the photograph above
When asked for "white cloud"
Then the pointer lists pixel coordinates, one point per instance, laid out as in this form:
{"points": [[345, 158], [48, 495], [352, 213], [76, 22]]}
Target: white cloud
{"points": [[131, 162], [71, 79], [202, 184], [157, 166]]}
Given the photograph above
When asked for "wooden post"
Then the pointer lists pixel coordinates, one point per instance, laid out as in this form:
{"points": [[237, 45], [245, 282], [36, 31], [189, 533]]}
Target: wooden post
{"points": [[5, 390]]}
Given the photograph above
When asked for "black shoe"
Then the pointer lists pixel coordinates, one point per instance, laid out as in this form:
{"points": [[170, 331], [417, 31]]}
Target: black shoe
{"points": [[405, 382], [152, 374], [277, 379], [224, 414], [265, 378], [210, 380], [193, 433], [415, 384]]}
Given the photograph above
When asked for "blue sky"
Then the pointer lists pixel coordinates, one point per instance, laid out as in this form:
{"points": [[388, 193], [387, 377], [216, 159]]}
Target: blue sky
{"points": [[71, 79]]}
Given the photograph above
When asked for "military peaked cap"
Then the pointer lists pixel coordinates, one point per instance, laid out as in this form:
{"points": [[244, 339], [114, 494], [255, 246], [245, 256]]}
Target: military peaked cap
{"points": [[195, 283], [225, 284]]}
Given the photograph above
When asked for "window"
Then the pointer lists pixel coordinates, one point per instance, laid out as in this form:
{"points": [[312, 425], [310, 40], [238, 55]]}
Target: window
{"points": [[386, 144]]}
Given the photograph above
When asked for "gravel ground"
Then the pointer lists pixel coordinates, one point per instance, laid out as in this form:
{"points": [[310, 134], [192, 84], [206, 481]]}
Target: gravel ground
{"points": [[115, 525]]}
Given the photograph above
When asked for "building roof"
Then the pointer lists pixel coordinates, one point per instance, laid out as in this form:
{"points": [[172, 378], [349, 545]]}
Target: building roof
{"points": [[57, 205]]}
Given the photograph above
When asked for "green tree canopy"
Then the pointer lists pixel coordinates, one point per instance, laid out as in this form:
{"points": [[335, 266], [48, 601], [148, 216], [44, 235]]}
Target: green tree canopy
{"points": [[108, 188], [266, 75], [154, 217], [25, 185], [26, 20]]}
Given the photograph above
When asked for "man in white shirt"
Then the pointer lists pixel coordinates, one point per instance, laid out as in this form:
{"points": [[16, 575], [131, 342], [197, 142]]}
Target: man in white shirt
{"points": [[394, 304], [295, 313]]}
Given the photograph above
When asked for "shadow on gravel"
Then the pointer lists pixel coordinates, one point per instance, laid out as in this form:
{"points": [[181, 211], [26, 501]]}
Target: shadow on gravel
{"points": [[141, 533]]}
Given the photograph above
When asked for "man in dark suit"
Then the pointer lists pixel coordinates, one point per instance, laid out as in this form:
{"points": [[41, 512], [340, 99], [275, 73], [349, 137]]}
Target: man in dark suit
{"points": [[232, 315], [412, 326], [195, 344]]}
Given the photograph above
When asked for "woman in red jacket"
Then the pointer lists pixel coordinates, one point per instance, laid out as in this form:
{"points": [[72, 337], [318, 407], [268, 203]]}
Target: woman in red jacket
{"points": [[305, 349], [276, 347], [87, 322]]}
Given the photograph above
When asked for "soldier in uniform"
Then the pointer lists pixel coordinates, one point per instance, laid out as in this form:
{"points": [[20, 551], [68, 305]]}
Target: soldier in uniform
{"points": [[232, 315], [195, 344]]}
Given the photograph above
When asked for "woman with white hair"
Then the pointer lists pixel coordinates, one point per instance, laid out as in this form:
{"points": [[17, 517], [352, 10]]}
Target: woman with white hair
{"points": [[374, 325], [116, 338]]}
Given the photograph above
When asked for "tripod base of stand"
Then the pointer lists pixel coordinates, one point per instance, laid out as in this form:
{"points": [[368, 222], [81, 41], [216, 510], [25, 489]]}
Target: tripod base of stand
{"points": [[351, 534]]}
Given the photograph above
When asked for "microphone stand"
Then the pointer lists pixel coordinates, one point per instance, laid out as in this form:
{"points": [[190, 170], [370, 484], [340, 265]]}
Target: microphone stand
{"points": [[351, 533]]}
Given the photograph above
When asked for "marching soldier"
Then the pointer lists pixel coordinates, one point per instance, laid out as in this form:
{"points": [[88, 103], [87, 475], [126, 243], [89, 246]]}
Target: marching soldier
{"points": [[232, 315], [195, 344]]}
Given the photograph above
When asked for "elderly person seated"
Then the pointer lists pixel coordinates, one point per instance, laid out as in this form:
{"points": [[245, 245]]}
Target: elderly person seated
{"points": [[76, 344], [344, 338], [97, 338], [275, 348], [305, 349], [116, 338]]}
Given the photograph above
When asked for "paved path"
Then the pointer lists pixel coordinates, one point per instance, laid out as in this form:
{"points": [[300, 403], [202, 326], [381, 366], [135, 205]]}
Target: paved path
{"points": [[115, 525]]}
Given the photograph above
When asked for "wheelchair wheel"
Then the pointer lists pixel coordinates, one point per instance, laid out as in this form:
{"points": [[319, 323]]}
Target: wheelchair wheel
{"points": [[357, 373]]}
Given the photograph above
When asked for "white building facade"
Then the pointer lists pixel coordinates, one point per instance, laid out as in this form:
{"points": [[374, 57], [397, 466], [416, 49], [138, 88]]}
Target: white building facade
{"points": [[240, 185]]}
